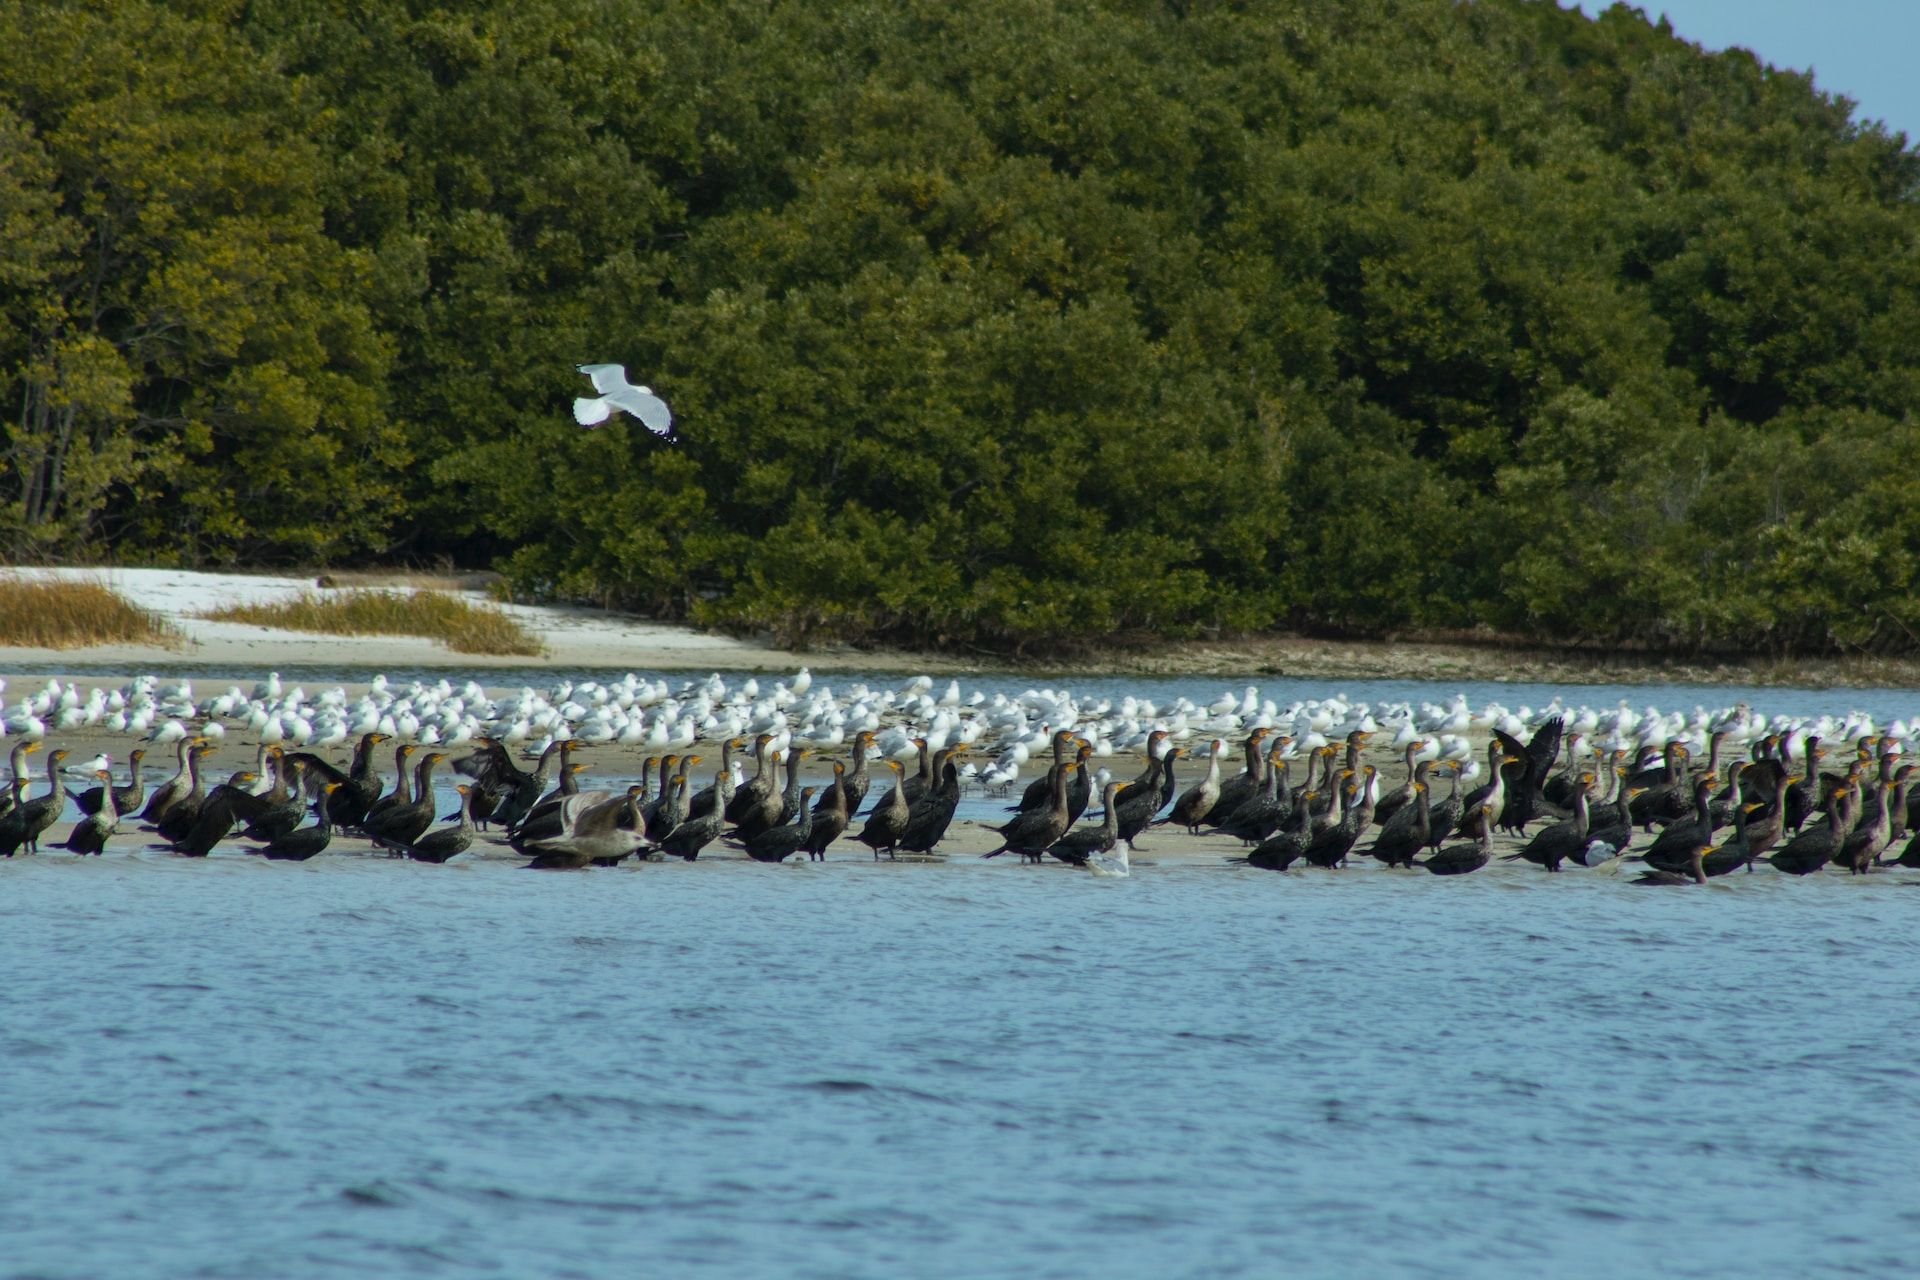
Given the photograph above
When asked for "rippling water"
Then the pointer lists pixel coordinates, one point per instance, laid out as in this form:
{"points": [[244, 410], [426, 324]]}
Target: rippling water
{"points": [[365, 1068]]}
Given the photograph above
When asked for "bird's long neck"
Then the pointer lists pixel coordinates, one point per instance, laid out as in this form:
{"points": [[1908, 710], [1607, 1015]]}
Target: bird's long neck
{"points": [[542, 770], [1364, 796], [723, 784], [1881, 819], [1271, 784], [278, 790]]}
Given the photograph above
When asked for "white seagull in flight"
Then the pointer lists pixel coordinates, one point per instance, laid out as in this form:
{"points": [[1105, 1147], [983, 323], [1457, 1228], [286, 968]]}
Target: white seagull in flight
{"points": [[610, 380]]}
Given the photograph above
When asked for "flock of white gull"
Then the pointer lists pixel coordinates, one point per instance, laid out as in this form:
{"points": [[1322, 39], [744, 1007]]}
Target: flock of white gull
{"points": [[1007, 728]]}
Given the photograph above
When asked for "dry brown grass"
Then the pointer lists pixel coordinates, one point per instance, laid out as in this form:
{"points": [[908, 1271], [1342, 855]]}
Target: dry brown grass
{"points": [[72, 615], [462, 627]]}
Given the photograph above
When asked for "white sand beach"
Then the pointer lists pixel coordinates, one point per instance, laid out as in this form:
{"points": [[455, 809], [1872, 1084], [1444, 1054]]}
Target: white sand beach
{"points": [[574, 637]]}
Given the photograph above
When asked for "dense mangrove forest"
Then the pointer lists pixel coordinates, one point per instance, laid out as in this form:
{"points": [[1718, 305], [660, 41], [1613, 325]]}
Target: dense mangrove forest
{"points": [[1010, 325]]}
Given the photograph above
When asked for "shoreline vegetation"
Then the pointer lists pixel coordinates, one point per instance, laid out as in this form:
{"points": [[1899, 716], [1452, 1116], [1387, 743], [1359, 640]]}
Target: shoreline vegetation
{"points": [[463, 627], [369, 601], [1294, 656], [997, 330], [75, 614], [430, 604]]}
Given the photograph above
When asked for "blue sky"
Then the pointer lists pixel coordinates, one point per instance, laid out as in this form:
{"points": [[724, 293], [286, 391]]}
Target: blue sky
{"points": [[1868, 50]]}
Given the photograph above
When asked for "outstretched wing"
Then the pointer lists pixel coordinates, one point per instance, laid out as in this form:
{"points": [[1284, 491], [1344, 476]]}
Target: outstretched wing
{"points": [[1544, 749], [577, 806], [646, 406], [590, 413], [314, 764], [607, 378]]}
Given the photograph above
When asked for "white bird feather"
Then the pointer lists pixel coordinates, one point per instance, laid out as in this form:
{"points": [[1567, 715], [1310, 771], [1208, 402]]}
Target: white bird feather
{"points": [[610, 380]]}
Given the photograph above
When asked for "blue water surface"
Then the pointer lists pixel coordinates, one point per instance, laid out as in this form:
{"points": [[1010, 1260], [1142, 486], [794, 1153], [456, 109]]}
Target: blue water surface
{"points": [[357, 1067]]}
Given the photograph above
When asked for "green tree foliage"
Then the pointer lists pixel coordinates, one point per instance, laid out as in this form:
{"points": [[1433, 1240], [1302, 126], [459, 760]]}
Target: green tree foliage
{"points": [[191, 367], [1007, 325]]}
